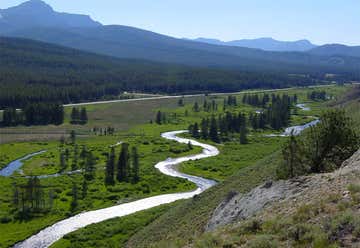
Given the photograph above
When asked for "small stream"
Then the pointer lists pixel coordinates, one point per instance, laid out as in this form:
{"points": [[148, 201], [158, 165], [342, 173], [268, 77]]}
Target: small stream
{"points": [[15, 165], [303, 106]]}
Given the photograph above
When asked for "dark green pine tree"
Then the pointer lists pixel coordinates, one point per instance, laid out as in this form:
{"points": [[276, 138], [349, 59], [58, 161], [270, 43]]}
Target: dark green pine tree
{"points": [[123, 163], [83, 116], [158, 118], [294, 164], [90, 166], [63, 163], [73, 136], [58, 115], [190, 146], [181, 102], [195, 131], [75, 116], [74, 200], [204, 129], [110, 168], [84, 188], [196, 107], [213, 133], [243, 134], [74, 164], [135, 165]]}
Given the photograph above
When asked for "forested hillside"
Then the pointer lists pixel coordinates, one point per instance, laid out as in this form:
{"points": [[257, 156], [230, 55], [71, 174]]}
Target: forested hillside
{"points": [[128, 42], [32, 71], [337, 49]]}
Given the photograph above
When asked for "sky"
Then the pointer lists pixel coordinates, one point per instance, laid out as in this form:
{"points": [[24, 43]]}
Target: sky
{"points": [[320, 21]]}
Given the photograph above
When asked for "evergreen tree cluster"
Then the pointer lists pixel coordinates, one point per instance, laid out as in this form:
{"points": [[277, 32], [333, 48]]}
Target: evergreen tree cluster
{"points": [[263, 100], [277, 111], [127, 167], [161, 118], [32, 198], [78, 116], [196, 107], [322, 149], [104, 131], [231, 101], [210, 106], [34, 114], [256, 100], [317, 95], [217, 129]]}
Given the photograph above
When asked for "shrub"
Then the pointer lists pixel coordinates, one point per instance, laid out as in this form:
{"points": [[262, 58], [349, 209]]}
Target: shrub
{"points": [[304, 213], [342, 224], [355, 192], [252, 226], [5, 220], [263, 241], [208, 241]]}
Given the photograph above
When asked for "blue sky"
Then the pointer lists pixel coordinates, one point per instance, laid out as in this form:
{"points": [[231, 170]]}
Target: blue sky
{"points": [[321, 21]]}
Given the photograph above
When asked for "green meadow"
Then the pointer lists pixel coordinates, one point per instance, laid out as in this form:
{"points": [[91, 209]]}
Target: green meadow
{"points": [[134, 123]]}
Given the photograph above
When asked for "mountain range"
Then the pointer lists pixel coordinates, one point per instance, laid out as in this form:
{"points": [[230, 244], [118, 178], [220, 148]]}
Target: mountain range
{"points": [[267, 44], [36, 20]]}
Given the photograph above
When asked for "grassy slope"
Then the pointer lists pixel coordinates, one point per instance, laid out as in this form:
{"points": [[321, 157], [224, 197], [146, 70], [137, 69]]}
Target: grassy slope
{"points": [[183, 223], [329, 220], [333, 221]]}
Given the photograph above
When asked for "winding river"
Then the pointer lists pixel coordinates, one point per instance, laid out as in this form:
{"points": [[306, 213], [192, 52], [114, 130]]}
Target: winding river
{"points": [[51, 234]]}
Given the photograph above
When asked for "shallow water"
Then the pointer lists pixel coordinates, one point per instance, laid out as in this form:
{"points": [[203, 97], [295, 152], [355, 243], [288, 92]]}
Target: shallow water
{"points": [[303, 106], [17, 164], [51, 234], [295, 130]]}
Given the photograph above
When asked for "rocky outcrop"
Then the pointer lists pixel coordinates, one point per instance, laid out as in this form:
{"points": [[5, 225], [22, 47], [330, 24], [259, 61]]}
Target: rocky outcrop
{"points": [[303, 189]]}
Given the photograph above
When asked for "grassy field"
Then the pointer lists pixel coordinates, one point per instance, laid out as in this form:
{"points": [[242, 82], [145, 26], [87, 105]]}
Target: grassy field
{"points": [[151, 148], [131, 121], [112, 233], [125, 115]]}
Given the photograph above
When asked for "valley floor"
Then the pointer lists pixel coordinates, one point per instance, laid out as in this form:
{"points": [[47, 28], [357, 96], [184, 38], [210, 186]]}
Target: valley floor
{"points": [[238, 168]]}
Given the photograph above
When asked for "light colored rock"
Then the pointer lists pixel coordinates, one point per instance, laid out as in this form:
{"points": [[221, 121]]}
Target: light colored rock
{"points": [[303, 189]]}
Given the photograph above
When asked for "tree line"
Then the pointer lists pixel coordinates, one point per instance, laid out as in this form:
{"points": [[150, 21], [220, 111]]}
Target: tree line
{"points": [[32, 72], [34, 114], [276, 115]]}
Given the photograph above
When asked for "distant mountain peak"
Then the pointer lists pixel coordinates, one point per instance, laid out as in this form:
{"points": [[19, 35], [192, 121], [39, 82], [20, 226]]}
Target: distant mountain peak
{"points": [[34, 5], [37, 13]]}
